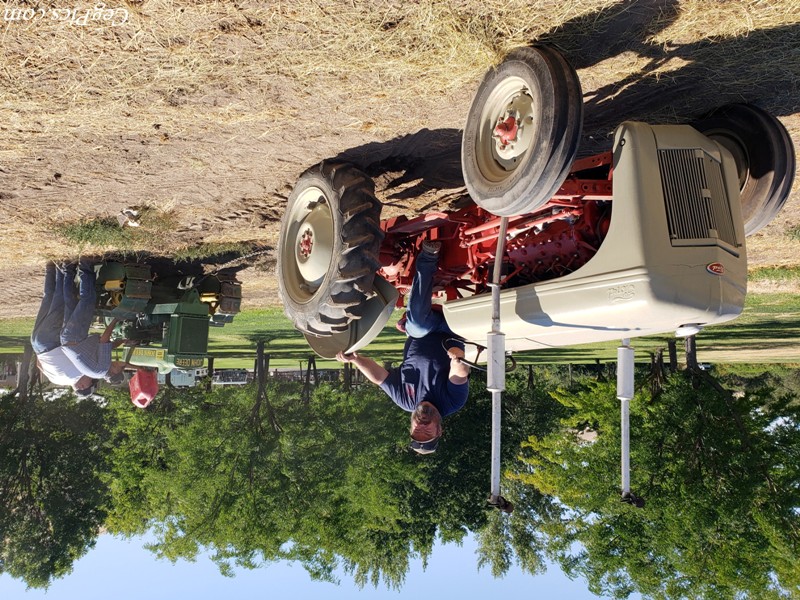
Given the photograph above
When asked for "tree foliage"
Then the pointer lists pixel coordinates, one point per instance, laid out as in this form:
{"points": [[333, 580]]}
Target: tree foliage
{"points": [[52, 451], [329, 483], [719, 473]]}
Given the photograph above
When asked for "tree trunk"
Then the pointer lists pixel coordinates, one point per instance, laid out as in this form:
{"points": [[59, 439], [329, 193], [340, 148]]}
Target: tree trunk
{"points": [[25, 369], [262, 362], [673, 355], [312, 367], [598, 368], [210, 373], [348, 376], [691, 353], [656, 372]]}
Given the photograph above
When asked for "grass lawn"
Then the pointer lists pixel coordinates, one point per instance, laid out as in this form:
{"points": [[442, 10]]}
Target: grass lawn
{"points": [[767, 332]]}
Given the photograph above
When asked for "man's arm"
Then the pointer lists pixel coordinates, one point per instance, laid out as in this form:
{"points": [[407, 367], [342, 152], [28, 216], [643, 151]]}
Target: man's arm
{"points": [[117, 367], [106, 335], [109, 331], [459, 371], [371, 370]]}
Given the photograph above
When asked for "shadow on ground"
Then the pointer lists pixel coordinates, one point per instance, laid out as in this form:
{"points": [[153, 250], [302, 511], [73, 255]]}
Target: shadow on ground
{"points": [[761, 67]]}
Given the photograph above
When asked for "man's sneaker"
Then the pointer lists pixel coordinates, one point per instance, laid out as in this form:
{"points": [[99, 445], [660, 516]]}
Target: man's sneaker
{"points": [[431, 247]]}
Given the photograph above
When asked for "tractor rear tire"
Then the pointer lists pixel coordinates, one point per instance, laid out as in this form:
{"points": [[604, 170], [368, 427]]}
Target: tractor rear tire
{"points": [[538, 92], [764, 158], [328, 248]]}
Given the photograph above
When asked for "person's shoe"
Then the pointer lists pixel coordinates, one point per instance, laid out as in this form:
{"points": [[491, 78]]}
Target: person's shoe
{"points": [[431, 247]]}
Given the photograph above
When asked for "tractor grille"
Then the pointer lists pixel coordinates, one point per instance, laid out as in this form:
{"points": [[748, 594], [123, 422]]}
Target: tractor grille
{"points": [[698, 210]]}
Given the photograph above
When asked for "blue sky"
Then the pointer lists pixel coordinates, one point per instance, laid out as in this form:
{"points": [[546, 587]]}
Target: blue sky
{"points": [[124, 570]]}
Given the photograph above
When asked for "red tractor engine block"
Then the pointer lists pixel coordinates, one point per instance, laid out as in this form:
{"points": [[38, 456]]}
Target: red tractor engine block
{"points": [[550, 243], [560, 246]]}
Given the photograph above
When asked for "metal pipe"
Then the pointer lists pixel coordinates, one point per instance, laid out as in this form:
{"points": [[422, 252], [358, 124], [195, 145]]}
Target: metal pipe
{"points": [[522, 226], [625, 406], [497, 271], [494, 223], [496, 368], [496, 422], [625, 388]]}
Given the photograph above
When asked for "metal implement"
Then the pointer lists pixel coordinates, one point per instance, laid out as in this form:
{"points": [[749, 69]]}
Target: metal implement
{"points": [[167, 315]]}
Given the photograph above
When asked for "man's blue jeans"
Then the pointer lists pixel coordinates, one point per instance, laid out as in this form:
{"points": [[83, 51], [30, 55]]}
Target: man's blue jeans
{"points": [[421, 318], [63, 317], [79, 312], [50, 319]]}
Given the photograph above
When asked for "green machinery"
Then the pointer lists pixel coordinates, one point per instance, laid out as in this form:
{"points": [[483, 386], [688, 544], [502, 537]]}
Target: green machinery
{"points": [[168, 316]]}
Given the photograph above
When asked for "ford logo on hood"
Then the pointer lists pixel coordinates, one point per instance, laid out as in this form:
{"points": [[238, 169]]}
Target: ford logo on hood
{"points": [[715, 268]]}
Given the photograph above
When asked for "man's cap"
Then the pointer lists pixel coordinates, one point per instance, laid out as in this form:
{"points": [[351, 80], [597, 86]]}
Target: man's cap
{"points": [[428, 447]]}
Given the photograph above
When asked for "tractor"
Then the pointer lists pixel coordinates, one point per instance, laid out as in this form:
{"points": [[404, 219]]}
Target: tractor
{"points": [[645, 238], [167, 315]]}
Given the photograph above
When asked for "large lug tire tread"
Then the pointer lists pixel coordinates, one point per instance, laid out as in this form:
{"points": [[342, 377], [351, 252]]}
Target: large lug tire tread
{"points": [[765, 158], [558, 103], [341, 296]]}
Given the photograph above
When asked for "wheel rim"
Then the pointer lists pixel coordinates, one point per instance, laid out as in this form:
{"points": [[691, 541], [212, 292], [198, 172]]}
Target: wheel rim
{"points": [[307, 249], [507, 128]]}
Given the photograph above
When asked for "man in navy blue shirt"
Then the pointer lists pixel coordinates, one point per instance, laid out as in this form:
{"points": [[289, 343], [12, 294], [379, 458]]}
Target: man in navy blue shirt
{"points": [[432, 382]]}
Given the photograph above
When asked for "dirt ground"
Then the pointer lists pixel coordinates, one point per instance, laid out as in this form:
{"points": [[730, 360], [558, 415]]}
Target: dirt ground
{"points": [[218, 145]]}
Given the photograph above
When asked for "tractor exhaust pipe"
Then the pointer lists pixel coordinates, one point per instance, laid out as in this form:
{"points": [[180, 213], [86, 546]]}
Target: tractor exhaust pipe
{"points": [[496, 371], [625, 389]]}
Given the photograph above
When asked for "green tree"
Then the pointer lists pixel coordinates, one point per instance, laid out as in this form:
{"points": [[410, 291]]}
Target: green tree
{"points": [[528, 409], [332, 485], [329, 482], [52, 451], [720, 476]]}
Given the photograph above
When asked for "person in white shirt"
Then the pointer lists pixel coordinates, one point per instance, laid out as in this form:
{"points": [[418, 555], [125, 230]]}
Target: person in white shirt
{"points": [[60, 370], [59, 294]]}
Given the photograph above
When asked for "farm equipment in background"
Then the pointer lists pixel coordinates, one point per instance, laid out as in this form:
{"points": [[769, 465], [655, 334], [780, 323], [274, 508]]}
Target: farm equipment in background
{"points": [[167, 316]]}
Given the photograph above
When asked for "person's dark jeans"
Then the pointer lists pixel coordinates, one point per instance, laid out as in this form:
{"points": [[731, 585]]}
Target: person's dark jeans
{"points": [[79, 312], [50, 319], [421, 318]]}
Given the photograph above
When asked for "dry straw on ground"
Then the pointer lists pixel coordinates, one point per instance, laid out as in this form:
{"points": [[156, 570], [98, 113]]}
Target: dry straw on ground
{"points": [[210, 110]]}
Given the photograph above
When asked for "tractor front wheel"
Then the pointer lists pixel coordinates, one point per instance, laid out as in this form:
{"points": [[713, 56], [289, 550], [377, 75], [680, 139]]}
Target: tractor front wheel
{"points": [[328, 248], [522, 132]]}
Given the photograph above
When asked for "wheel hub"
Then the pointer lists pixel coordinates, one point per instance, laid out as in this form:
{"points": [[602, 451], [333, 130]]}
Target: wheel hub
{"points": [[509, 113], [306, 243], [506, 131], [312, 250]]}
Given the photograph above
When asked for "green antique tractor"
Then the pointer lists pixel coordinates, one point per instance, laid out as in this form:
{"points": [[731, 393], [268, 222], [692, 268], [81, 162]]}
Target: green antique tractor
{"points": [[167, 316]]}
